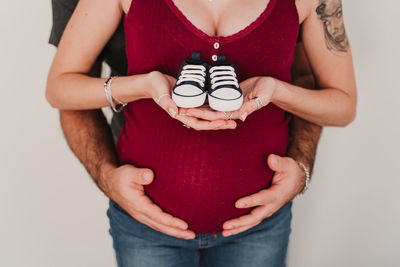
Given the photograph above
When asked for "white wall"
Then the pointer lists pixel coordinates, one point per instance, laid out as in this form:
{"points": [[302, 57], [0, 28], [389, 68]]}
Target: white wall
{"points": [[51, 214], [351, 215]]}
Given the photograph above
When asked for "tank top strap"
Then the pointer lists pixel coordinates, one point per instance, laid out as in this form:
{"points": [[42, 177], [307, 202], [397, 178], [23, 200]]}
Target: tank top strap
{"points": [[146, 6]]}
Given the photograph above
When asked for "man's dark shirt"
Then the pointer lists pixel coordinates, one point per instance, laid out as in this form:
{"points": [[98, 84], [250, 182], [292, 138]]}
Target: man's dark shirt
{"points": [[113, 53]]}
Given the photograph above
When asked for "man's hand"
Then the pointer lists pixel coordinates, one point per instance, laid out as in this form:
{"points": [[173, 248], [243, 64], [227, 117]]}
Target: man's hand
{"points": [[288, 181], [124, 185]]}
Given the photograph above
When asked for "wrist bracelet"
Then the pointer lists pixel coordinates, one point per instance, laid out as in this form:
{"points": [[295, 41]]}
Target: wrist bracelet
{"points": [[107, 89], [308, 177]]}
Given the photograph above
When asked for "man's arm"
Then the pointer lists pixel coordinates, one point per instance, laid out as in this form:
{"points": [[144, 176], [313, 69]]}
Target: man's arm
{"points": [[289, 178], [89, 137], [304, 135], [86, 131]]}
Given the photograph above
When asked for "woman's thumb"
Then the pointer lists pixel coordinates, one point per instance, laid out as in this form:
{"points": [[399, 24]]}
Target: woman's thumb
{"points": [[169, 105], [172, 110]]}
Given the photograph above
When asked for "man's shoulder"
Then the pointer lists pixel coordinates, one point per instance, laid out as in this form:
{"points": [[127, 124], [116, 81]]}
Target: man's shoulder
{"points": [[66, 4], [62, 12]]}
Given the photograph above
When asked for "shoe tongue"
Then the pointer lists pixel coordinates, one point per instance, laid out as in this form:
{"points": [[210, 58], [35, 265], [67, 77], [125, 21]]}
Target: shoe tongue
{"points": [[196, 56], [221, 59]]}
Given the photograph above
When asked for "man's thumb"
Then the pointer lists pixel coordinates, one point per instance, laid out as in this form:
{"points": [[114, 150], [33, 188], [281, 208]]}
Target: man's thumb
{"points": [[274, 162], [146, 176]]}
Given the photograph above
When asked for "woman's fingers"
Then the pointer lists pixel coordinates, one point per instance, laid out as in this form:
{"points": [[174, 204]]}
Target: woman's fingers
{"points": [[197, 124], [201, 125], [248, 86], [257, 92], [161, 91], [165, 101], [252, 104], [206, 113], [248, 107], [202, 119]]}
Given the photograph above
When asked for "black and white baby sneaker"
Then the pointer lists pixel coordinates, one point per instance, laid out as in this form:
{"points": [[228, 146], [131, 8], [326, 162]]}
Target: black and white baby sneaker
{"points": [[224, 93], [190, 90]]}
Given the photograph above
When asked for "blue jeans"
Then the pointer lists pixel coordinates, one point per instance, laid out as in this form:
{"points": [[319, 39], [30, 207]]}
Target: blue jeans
{"points": [[138, 245]]}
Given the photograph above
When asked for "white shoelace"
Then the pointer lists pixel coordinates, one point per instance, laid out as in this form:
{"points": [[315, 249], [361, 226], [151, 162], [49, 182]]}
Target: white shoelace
{"points": [[229, 76], [195, 73]]}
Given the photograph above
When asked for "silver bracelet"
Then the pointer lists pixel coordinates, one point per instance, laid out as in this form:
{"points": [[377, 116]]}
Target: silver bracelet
{"points": [[308, 177], [107, 89]]}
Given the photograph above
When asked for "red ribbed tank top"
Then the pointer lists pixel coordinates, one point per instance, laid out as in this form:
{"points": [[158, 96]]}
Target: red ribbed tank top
{"points": [[199, 175]]}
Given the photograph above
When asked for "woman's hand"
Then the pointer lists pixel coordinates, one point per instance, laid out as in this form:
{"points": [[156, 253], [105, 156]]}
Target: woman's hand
{"points": [[160, 91], [259, 86], [161, 87], [257, 92]]}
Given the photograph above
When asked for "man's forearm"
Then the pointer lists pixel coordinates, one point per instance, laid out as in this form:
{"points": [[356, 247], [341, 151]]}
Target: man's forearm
{"points": [[304, 135], [90, 139]]}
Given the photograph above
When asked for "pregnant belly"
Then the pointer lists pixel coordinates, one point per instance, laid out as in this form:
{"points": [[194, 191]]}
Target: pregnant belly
{"points": [[199, 175]]}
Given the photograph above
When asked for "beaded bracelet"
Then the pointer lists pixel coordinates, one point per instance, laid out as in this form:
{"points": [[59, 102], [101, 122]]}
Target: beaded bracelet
{"points": [[107, 89], [308, 177]]}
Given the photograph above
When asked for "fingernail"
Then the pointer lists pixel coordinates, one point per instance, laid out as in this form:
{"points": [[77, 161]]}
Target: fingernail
{"points": [[172, 112], [188, 237], [146, 176], [244, 116], [228, 234], [274, 161], [182, 226], [242, 204], [229, 226]]}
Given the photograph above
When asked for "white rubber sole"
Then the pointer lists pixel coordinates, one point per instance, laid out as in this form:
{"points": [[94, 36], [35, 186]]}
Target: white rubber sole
{"points": [[225, 104], [189, 101]]}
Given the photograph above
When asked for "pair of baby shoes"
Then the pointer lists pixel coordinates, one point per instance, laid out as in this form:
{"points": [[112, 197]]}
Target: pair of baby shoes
{"points": [[197, 79]]}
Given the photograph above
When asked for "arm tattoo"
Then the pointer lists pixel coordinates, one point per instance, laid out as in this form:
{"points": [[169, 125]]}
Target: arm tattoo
{"points": [[330, 13]]}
